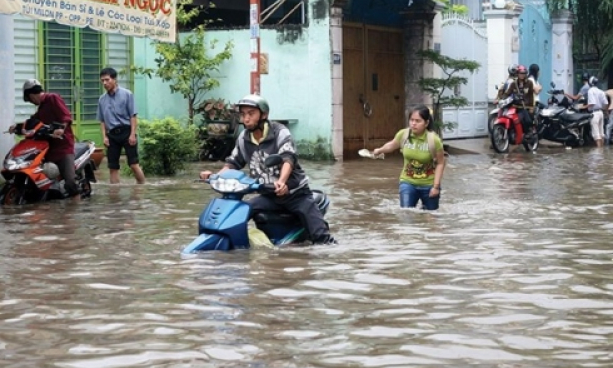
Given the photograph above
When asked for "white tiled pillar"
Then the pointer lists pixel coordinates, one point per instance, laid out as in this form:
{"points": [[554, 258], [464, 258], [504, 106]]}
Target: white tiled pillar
{"points": [[562, 53], [336, 34], [7, 87], [502, 44]]}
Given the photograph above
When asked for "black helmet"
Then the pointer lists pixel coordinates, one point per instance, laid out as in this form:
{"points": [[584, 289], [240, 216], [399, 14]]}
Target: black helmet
{"points": [[29, 87], [512, 70], [585, 76], [593, 81]]}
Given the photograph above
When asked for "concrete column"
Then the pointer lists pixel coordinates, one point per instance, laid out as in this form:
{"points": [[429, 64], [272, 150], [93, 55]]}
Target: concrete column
{"points": [[417, 35], [502, 44], [437, 38], [7, 87], [336, 35], [562, 50]]}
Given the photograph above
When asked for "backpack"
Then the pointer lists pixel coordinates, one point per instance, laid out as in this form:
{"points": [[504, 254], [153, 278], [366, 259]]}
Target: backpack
{"points": [[431, 142]]}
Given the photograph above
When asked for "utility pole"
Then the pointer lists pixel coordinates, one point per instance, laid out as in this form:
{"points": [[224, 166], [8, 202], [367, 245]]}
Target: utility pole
{"points": [[254, 30]]}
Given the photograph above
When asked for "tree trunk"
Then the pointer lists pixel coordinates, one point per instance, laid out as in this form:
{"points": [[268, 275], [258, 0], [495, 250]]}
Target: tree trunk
{"points": [[190, 110]]}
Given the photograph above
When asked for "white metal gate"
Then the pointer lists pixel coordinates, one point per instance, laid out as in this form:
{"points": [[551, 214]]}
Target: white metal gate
{"points": [[461, 38]]}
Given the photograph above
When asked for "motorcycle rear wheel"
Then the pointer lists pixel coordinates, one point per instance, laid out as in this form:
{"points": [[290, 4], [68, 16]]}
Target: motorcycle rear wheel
{"points": [[86, 189], [500, 139]]}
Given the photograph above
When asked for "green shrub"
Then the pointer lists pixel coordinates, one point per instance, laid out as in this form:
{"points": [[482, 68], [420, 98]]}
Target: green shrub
{"points": [[166, 146]]}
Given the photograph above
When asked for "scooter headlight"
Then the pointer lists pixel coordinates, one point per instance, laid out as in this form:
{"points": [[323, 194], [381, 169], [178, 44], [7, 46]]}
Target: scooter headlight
{"points": [[228, 185], [19, 162]]}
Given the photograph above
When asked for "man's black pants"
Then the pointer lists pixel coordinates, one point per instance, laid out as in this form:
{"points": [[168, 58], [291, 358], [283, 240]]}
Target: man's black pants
{"points": [[300, 203]]}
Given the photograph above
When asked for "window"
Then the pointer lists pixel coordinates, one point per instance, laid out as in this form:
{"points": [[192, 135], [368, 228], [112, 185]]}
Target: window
{"points": [[72, 60], [235, 13]]}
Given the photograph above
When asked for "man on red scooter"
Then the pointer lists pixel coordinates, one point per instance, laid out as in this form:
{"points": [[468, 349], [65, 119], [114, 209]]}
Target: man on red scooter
{"points": [[52, 110], [522, 90]]}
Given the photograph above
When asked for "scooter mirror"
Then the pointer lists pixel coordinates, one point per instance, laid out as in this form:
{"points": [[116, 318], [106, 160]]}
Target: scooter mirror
{"points": [[496, 87], [553, 85], [273, 160]]}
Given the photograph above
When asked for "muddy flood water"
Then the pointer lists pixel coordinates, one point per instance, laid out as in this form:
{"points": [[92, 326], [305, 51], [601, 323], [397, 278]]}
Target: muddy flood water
{"points": [[514, 270]]}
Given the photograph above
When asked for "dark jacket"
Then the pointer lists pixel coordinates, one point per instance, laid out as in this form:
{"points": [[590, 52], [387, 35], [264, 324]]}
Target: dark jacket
{"points": [[277, 141], [521, 91], [52, 109]]}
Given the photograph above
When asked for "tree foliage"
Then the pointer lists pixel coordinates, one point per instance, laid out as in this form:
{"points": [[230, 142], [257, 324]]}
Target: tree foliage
{"points": [[454, 8], [593, 26], [451, 80], [189, 63]]}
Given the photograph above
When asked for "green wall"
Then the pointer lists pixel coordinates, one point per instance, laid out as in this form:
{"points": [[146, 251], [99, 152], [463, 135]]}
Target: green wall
{"points": [[298, 85]]}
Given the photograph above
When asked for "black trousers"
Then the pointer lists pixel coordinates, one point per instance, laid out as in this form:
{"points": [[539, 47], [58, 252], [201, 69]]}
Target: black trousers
{"points": [[302, 204], [526, 120]]}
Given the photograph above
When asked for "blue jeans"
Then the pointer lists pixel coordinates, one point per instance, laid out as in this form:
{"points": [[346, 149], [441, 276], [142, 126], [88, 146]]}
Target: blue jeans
{"points": [[411, 194]]}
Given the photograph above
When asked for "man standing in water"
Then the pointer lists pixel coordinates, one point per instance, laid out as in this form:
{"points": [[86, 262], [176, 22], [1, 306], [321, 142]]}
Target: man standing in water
{"points": [[117, 115]]}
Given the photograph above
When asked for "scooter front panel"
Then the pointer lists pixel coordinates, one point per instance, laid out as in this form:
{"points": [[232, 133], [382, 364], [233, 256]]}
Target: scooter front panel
{"points": [[207, 242], [229, 217]]}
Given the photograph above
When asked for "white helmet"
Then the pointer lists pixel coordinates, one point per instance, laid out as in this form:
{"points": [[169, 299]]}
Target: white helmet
{"points": [[593, 81], [31, 86]]}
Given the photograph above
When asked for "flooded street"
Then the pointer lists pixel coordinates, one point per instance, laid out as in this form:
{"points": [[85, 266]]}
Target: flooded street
{"points": [[514, 270]]}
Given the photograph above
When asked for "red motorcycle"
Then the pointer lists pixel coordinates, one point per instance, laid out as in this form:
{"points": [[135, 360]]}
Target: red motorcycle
{"points": [[29, 178], [508, 129]]}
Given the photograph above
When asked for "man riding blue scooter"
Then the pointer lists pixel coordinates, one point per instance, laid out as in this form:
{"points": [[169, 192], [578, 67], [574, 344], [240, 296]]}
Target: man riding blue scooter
{"points": [[260, 139]]}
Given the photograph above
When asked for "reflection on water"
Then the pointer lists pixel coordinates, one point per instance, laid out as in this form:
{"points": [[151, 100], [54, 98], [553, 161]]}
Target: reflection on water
{"points": [[514, 270]]}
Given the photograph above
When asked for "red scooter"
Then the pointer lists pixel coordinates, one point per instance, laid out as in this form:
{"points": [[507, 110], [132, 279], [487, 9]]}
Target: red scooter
{"points": [[508, 130], [29, 178]]}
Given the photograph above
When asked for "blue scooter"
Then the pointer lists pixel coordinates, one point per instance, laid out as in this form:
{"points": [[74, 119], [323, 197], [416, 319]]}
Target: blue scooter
{"points": [[223, 223]]}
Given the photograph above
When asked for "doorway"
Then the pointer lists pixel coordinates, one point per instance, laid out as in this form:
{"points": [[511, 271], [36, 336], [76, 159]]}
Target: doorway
{"points": [[373, 86]]}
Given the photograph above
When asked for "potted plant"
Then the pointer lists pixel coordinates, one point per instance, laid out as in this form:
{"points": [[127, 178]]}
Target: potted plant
{"points": [[218, 117]]}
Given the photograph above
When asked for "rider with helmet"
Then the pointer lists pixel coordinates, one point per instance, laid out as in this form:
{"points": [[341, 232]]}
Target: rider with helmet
{"points": [[52, 110], [512, 69], [585, 78], [597, 104], [522, 90], [260, 139]]}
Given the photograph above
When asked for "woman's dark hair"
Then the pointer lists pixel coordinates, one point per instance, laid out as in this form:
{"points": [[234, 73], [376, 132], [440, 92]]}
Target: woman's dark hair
{"points": [[110, 72], [424, 113], [533, 71]]}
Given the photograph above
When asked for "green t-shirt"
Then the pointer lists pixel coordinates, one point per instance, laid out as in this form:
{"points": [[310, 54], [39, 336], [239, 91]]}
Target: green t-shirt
{"points": [[418, 168]]}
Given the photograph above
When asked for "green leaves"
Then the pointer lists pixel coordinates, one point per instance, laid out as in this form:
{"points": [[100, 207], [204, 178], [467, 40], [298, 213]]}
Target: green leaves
{"points": [[592, 29], [452, 8], [451, 81], [188, 64], [166, 146]]}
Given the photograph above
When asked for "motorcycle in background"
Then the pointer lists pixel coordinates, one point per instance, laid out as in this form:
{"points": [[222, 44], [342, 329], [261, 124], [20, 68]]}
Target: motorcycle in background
{"points": [[29, 178], [217, 140], [563, 121], [508, 130]]}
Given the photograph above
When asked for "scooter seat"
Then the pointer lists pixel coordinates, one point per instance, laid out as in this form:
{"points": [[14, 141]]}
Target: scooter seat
{"points": [[80, 148], [321, 200], [282, 218], [574, 117]]}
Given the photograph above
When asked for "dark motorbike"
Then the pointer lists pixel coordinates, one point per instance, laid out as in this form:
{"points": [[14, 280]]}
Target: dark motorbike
{"points": [[217, 140], [564, 121]]}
